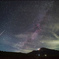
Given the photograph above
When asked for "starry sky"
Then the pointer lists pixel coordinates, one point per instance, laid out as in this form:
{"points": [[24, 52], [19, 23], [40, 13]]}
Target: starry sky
{"points": [[29, 25]]}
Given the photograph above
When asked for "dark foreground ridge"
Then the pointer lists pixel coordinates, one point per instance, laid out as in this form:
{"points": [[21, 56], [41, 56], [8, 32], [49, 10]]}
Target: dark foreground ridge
{"points": [[43, 53]]}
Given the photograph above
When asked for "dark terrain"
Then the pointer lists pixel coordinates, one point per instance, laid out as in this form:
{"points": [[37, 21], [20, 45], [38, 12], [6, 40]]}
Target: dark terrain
{"points": [[43, 53]]}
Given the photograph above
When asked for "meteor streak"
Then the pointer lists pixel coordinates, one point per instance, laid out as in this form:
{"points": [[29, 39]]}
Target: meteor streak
{"points": [[2, 32]]}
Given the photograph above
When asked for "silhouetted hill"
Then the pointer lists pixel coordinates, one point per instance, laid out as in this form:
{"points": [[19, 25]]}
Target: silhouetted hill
{"points": [[43, 53], [49, 52]]}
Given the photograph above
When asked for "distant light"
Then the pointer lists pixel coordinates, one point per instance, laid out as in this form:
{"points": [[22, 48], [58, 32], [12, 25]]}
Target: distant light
{"points": [[38, 54], [45, 55], [38, 48]]}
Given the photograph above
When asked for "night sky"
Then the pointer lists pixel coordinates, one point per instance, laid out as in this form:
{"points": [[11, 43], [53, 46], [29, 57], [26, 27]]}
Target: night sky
{"points": [[29, 25]]}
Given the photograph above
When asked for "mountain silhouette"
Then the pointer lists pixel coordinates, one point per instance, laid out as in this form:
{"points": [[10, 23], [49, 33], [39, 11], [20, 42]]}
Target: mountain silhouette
{"points": [[43, 53]]}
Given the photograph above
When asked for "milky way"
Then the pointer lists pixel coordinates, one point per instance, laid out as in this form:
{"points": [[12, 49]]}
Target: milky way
{"points": [[29, 25]]}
